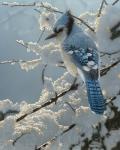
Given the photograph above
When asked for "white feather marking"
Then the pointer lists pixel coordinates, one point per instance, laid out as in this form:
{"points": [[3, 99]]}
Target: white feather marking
{"points": [[86, 68], [70, 52], [95, 67], [76, 51], [91, 63], [90, 49], [89, 54]]}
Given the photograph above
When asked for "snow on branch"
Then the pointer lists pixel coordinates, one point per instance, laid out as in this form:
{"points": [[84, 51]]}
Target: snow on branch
{"points": [[48, 7], [61, 116], [15, 4], [73, 87], [105, 70], [24, 64], [53, 139], [107, 31]]}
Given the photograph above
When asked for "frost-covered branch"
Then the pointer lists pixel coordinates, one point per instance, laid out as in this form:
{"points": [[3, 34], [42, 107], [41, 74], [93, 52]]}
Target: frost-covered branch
{"points": [[57, 11], [12, 62], [15, 4], [19, 137], [7, 113], [109, 54], [73, 87], [24, 64], [53, 139], [105, 70]]}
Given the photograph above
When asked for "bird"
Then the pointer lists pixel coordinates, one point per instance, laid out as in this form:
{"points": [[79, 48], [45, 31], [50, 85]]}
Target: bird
{"points": [[80, 55]]}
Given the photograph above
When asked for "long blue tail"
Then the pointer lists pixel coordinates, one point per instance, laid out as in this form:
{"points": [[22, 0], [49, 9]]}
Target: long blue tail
{"points": [[95, 96]]}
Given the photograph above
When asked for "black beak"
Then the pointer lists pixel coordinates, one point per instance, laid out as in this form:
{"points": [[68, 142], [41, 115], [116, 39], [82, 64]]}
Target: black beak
{"points": [[51, 36]]}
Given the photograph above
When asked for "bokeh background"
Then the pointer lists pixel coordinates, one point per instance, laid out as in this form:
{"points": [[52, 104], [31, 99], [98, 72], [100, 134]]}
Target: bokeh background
{"points": [[21, 23]]}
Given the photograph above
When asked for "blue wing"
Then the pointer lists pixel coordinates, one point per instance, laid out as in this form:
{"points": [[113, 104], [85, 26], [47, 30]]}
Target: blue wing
{"points": [[84, 55]]}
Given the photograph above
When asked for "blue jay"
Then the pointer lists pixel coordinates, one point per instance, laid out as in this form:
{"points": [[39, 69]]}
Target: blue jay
{"points": [[80, 57]]}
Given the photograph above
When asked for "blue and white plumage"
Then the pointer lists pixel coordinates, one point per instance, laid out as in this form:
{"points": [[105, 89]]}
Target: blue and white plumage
{"points": [[80, 56]]}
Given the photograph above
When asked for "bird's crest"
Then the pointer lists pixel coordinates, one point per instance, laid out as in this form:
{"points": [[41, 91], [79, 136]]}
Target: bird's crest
{"points": [[65, 20]]}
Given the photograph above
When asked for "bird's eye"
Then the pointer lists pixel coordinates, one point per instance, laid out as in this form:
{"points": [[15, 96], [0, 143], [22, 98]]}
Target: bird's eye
{"points": [[60, 30]]}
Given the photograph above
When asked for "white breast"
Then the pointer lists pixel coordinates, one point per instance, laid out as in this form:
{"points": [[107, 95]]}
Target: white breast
{"points": [[72, 69]]}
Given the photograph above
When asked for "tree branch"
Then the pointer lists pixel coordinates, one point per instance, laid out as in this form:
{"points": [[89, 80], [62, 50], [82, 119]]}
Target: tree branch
{"points": [[101, 7], [112, 53], [105, 70], [13, 4], [43, 73], [51, 9], [115, 32], [53, 139], [15, 140], [73, 87], [116, 1], [7, 113], [12, 61], [43, 31]]}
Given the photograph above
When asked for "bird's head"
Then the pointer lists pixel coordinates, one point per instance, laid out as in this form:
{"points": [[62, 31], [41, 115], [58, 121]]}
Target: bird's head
{"points": [[62, 27]]}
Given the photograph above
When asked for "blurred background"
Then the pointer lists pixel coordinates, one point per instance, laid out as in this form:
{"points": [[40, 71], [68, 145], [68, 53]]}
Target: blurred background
{"points": [[21, 23]]}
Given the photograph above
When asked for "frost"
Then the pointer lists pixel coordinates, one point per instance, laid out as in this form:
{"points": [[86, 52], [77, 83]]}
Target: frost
{"points": [[46, 123], [63, 82], [47, 20], [7, 129], [29, 65], [6, 105], [48, 52], [113, 139], [82, 118], [108, 20], [49, 6]]}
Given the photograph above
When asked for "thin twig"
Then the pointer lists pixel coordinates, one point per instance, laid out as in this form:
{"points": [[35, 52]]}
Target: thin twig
{"points": [[22, 44], [115, 32], [38, 11], [105, 70], [53, 139], [101, 7], [71, 107], [106, 3], [115, 27], [13, 61], [17, 4], [15, 140], [51, 9], [115, 2], [41, 35], [107, 53], [43, 74], [84, 23]]}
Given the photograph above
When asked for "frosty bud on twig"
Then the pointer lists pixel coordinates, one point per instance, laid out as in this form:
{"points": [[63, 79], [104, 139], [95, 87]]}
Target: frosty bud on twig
{"points": [[29, 65], [47, 20]]}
